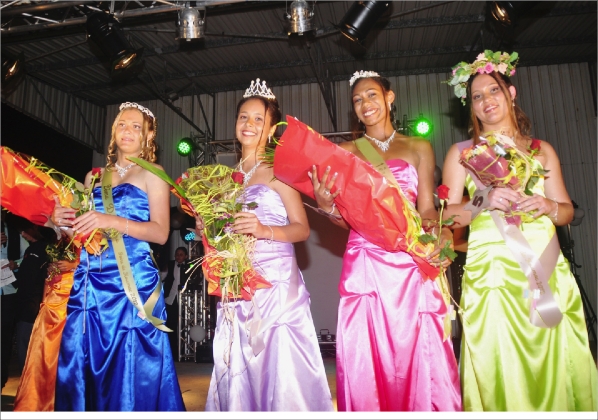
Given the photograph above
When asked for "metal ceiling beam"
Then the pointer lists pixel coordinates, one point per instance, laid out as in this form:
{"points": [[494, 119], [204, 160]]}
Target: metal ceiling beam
{"points": [[320, 69], [336, 59], [127, 14]]}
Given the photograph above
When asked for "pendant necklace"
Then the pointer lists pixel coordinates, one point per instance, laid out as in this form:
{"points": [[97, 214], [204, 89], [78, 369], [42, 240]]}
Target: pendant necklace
{"points": [[247, 175], [123, 171], [383, 145]]}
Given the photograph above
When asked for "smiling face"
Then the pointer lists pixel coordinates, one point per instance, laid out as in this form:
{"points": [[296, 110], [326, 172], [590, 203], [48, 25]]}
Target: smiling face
{"points": [[370, 102], [490, 104], [128, 133], [253, 123]]}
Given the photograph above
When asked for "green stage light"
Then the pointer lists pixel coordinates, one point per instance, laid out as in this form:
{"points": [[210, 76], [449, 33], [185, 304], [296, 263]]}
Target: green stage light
{"points": [[422, 126], [184, 146]]}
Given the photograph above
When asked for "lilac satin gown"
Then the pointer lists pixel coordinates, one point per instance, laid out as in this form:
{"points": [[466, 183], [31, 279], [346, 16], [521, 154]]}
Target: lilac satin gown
{"points": [[390, 350], [288, 374]]}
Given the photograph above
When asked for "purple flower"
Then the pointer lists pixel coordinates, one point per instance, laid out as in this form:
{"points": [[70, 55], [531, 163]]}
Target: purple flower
{"points": [[512, 72]]}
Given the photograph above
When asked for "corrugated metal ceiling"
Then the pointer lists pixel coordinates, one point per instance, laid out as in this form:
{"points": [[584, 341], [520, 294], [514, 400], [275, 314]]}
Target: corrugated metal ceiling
{"points": [[411, 38]]}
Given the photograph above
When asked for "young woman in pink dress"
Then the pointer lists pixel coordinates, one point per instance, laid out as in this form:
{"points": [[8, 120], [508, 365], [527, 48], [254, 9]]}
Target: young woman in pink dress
{"points": [[391, 355]]}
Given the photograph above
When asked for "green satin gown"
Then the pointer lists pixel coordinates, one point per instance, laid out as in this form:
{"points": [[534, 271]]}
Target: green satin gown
{"points": [[508, 364]]}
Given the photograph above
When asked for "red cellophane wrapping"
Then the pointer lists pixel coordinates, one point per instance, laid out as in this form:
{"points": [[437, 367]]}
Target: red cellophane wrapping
{"points": [[376, 210], [26, 190]]}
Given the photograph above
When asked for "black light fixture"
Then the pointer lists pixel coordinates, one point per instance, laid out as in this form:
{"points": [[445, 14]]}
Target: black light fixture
{"points": [[104, 30], [507, 13], [360, 19], [190, 24], [13, 72], [299, 20]]}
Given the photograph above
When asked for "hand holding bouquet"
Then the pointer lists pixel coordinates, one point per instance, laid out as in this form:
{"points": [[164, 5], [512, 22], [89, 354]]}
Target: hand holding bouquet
{"points": [[215, 194], [498, 163], [26, 177]]}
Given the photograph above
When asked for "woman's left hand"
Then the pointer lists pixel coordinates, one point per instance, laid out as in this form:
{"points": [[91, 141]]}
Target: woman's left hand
{"points": [[249, 224], [91, 220], [541, 205], [446, 236]]}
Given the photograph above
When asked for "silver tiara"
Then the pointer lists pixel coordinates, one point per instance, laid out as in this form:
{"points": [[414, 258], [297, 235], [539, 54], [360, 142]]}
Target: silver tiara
{"points": [[257, 89], [360, 74], [139, 107]]}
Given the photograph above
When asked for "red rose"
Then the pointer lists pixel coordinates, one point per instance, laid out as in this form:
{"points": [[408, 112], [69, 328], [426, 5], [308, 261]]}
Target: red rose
{"points": [[443, 192], [535, 146], [238, 177], [96, 171]]}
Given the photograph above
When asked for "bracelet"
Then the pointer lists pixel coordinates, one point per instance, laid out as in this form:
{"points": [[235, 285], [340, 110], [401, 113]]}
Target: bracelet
{"points": [[556, 213], [269, 241], [126, 232]]}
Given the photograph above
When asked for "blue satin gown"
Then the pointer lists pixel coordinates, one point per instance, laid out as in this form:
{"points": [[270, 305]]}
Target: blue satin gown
{"points": [[110, 359]]}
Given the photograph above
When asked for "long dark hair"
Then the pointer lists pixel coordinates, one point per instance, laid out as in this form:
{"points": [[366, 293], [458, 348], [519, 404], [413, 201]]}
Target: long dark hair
{"points": [[271, 108], [520, 121], [357, 127]]}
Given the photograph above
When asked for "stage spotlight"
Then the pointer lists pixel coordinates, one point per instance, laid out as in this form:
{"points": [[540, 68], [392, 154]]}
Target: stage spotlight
{"points": [[300, 18], [360, 19], [508, 12], [13, 72], [185, 146], [104, 30], [190, 24], [422, 126]]}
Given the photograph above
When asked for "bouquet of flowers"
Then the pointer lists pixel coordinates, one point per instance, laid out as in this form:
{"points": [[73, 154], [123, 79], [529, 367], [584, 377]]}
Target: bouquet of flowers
{"points": [[215, 193], [380, 212], [498, 163], [25, 176], [63, 250]]}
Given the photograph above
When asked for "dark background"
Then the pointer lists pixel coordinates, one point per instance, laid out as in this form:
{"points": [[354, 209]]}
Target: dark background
{"points": [[28, 136]]}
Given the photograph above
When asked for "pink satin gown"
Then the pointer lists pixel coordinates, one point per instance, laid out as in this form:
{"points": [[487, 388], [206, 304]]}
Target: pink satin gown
{"points": [[390, 350]]}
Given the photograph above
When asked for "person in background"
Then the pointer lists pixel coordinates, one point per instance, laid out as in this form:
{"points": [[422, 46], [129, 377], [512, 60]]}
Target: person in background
{"points": [[518, 353], [31, 278], [173, 282], [12, 251]]}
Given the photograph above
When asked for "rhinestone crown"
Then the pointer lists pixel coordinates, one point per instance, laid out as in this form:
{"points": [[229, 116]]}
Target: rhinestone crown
{"points": [[139, 107], [360, 74], [257, 89]]}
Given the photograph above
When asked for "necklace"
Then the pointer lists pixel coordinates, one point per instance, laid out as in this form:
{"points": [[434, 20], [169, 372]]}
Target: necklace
{"points": [[123, 171], [383, 145], [247, 175]]}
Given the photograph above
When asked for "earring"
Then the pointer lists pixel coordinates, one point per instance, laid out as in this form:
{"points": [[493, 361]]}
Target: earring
{"points": [[513, 103], [269, 138]]}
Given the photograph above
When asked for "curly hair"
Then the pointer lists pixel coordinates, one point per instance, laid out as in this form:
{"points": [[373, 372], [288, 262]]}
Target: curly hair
{"points": [[357, 126], [520, 121], [148, 144]]}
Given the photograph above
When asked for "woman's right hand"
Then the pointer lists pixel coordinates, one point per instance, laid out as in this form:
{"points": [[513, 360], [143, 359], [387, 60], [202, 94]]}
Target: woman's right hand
{"points": [[199, 225], [502, 199], [62, 216], [323, 188]]}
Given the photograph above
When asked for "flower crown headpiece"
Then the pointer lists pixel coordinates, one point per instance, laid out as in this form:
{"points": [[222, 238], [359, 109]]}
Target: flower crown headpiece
{"points": [[139, 107], [485, 63], [257, 89], [360, 74]]}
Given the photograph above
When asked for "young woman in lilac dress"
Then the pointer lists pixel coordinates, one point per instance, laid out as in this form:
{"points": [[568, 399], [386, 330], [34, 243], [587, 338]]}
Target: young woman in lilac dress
{"points": [[279, 367], [390, 354]]}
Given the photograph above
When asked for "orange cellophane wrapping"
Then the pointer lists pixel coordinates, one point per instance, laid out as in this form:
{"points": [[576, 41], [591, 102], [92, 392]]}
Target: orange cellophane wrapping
{"points": [[376, 210], [212, 266], [28, 191]]}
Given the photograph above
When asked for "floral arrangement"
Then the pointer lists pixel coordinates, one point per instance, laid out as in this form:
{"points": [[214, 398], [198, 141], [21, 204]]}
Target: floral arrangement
{"points": [[498, 163], [485, 63], [63, 250], [215, 193], [26, 176], [380, 212]]}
